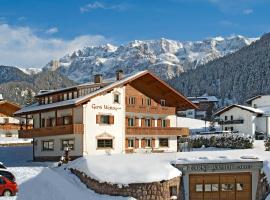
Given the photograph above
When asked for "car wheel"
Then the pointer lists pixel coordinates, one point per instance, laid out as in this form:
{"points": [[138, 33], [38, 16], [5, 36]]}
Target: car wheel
{"points": [[7, 193]]}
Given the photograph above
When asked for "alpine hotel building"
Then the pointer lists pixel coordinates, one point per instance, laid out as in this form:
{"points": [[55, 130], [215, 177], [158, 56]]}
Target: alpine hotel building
{"points": [[130, 114]]}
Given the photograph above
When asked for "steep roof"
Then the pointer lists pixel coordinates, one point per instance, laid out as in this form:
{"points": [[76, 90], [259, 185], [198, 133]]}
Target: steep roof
{"points": [[247, 108], [144, 81], [8, 108], [253, 98]]}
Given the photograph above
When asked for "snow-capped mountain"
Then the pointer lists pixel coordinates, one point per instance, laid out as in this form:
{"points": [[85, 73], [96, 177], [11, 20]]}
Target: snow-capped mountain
{"points": [[167, 58]]}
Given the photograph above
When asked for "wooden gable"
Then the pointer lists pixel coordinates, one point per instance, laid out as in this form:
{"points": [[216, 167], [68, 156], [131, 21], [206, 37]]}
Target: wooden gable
{"points": [[7, 108]]}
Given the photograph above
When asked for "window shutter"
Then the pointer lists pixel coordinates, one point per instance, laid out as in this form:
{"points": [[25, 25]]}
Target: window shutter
{"points": [[98, 119], [70, 119], [159, 122], [136, 143], [126, 143], [153, 122], [111, 119], [153, 142], [59, 120], [136, 122], [143, 143], [142, 121], [167, 123], [126, 121]]}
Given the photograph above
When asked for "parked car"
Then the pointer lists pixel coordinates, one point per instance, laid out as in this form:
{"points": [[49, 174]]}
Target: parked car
{"points": [[7, 187], [2, 166], [7, 174]]}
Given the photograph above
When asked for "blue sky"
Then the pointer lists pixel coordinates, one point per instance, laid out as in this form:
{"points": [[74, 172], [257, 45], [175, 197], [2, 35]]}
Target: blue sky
{"points": [[41, 30]]}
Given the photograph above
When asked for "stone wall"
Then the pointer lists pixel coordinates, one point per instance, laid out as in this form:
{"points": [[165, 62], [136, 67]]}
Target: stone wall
{"points": [[141, 191]]}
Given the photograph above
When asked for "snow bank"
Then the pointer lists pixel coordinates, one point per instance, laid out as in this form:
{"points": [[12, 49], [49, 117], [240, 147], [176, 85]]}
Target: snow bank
{"points": [[10, 140], [125, 169]]}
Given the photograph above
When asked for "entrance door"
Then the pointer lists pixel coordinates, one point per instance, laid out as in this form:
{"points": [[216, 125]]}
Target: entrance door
{"points": [[233, 186]]}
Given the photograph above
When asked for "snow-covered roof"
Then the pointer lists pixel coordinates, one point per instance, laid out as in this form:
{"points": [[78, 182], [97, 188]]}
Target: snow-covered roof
{"points": [[37, 107], [106, 88], [203, 98], [247, 108]]}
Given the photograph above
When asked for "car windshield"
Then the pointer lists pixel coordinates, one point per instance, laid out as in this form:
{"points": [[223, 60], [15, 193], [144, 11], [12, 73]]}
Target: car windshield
{"points": [[8, 175]]}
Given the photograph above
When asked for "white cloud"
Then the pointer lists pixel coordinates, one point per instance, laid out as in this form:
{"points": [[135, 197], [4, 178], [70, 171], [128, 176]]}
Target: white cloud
{"points": [[52, 30], [99, 5], [20, 46], [247, 11]]}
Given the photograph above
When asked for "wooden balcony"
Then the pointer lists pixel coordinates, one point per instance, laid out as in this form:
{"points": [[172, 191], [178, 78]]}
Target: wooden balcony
{"points": [[157, 131], [52, 131], [151, 109]]}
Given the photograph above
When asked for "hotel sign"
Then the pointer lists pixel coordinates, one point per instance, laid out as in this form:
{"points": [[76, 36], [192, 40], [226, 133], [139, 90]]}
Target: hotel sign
{"points": [[220, 167], [105, 107]]}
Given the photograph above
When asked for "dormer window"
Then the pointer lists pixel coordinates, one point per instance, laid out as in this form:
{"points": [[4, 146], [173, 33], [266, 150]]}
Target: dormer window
{"points": [[116, 98], [162, 102]]}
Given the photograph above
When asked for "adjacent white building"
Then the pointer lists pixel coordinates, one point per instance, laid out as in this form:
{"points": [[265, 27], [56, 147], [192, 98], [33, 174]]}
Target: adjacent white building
{"points": [[249, 120]]}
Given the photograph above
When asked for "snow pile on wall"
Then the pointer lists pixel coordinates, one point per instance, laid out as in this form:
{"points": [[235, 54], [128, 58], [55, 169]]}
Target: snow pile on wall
{"points": [[125, 169]]}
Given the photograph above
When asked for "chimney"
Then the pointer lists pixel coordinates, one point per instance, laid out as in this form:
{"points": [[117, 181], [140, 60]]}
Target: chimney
{"points": [[119, 74], [98, 78]]}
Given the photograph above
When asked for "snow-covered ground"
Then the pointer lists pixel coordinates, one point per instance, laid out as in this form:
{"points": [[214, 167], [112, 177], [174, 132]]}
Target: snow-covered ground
{"points": [[46, 181]]}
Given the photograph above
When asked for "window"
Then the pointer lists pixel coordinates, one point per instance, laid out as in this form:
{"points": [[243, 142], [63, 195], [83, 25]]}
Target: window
{"points": [[163, 123], [231, 117], [116, 98], [46, 100], [68, 143], [255, 105], [232, 129], [226, 118], [148, 122], [226, 128], [173, 191], [105, 119], [42, 101], [6, 120], [70, 95], [239, 186], [60, 97], [47, 145], [148, 142], [52, 121], [50, 99], [207, 188], [163, 102], [163, 142], [227, 187], [131, 100], [107, 143], [215, 187], [43, 122], [130, 143], [65, 96], [75, 94], [148, 101], [199, 187], [66, 120], [131, 122]]}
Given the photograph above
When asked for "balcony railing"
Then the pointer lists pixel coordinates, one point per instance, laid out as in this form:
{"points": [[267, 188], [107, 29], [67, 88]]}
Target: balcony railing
{"points": [[52, 131], [151, 109], [236, 121], [157, 131]]}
